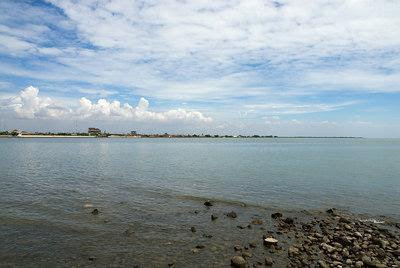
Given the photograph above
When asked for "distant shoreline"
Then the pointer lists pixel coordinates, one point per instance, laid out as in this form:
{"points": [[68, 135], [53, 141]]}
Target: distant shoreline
{"points": [[174, 137]]}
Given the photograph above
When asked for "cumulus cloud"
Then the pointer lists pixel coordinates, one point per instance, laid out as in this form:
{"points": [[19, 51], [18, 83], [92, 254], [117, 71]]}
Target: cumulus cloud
{"points": [[29, 105]]}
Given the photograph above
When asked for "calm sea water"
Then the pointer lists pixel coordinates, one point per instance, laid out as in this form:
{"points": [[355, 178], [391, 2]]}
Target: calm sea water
{"points": [[362, 175], [148, 189]]}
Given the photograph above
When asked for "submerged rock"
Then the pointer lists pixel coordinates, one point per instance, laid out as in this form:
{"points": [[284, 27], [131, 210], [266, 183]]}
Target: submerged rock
{"points": [[238, 262], [257, 222], [289, 221], [231, 214], [208, 203], [193, 229], [276, 215], [214, 217], [95, 211]]}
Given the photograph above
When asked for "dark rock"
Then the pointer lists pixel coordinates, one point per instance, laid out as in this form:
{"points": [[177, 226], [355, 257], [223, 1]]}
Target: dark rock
{"points": [[208, 203], [237, 248], [268, 261], [207, 236], [214, 217], [238, 262], [276, 215], [193, 229], [95, 211], [289, 221], [331, 211], [231, 214], [200, 246], [92, 258]]}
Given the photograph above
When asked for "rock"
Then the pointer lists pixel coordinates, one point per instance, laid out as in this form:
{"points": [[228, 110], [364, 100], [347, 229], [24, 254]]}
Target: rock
{"points": [[213, 217], [200, 246], [359, 264], [170, 264], [246, 255], [253, 244], [257, 222], [128, 232], [323, 264], [207, 236], [231, 214], [270, 241], [358, 234], [237, 248], [331, 211], [293, 251], [238, 262], [349, 262], [276, 215], [208, 203], [193, 229], [195, 250], [95, 211], [91, 258], [289, 221], [327, 248], [268, 261]]}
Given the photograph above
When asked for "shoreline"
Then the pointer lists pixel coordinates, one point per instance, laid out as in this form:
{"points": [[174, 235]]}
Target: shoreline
{"points": [[209, 233]]}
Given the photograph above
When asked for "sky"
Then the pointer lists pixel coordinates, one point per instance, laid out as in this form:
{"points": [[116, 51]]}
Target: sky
{"points": [[287, 68]]}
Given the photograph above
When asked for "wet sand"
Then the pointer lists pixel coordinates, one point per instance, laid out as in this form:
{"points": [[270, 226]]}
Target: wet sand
{"points": [[195, 233]]}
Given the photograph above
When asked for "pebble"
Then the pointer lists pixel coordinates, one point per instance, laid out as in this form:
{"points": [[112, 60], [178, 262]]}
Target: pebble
{"points": [[270, 241], [359, 264], [246, 254], [276, 215], [323, 264], [293, 251], [268, 261], [231, 214], [257, 221], [208, 203], [238, 262]]}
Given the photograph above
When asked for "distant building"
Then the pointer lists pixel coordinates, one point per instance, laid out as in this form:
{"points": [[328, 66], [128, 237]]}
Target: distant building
{"points": [[94, 131], [133, 132]]}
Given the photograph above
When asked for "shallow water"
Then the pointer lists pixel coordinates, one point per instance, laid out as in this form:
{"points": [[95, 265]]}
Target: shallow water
{"points": [[151, 186]]}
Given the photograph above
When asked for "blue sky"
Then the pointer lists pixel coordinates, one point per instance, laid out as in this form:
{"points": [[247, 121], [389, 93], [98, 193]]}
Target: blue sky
{"points": [[319, 68]]}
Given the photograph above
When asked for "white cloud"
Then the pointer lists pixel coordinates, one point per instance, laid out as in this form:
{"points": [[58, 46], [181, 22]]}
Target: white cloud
{"points": [[293, 108], [203, 49], [28, 104]]}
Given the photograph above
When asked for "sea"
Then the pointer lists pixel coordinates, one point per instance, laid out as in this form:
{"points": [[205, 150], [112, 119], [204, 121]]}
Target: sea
{"points": [[49, 187]]}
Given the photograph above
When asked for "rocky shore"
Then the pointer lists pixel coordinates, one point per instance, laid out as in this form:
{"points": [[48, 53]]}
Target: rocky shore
{"points": [[193, 232], [327, 239]]}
